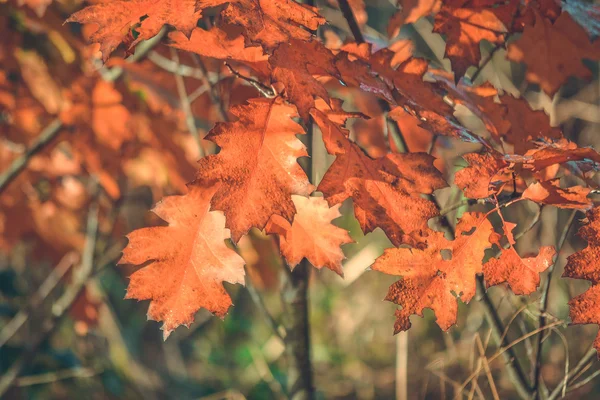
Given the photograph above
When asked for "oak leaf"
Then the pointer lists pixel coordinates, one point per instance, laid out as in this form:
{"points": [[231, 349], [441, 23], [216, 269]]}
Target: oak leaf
{"points": [[585, 308], [257, 165], [271, 22], [554, 51], [521, 274], [217, 44], [295, 71], [385, 191], [411, 11], [431, 275], [483, 177], [311, 235], [188, 261], [465, 28], [550, 193], [117, 18]]}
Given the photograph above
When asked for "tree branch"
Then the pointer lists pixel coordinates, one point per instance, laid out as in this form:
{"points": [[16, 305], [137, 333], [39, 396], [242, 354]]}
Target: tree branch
{"points": [[351, 19], [537, 371]]}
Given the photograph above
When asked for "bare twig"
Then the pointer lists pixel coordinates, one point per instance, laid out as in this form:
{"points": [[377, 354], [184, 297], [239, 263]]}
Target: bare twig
{"points": [[186, 106], [544, 306], [277, 329], [54, 376], [80, 277], [38, 298], [581, 365], [264, 90], [351, 19]]}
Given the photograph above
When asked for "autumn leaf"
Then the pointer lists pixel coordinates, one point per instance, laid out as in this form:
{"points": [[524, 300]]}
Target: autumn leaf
{"points": [[465, 28], [585, 308], [295, 72], [541, 44], [385, 191], [521, 274], [272, 22], [550, 192], [117, 18], [483, 177], [188, 261], [109, 116], [311, 235], [216, 43], [526, 125], [257, 165], [432, 274]]}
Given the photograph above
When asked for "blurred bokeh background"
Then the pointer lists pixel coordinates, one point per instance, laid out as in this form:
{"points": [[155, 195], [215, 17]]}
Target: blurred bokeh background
{"points": [[113, 139]]}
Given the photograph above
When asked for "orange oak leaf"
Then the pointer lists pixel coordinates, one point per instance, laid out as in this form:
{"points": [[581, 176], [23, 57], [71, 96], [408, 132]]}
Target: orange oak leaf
{"points": [[257, 165], [188, 261], [432, 274], [385, 191], [585, 308], [554, 52], [550, 192], [117, 18], [465, 28], [526, 124], [295, 71], [548, 152], [311, 235], [217, 44], [483, 177], [521, 274], [271, 22]]}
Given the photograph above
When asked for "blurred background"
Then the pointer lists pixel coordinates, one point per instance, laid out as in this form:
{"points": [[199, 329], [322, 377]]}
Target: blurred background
{"points": [[86, 149]]}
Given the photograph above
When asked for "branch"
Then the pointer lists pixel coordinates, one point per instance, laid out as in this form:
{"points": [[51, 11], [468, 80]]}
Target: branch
{"points": [[515, 371], [544, 306], [277, 329], [581, 365], [47, 135], [351, 19], [186, 106]]}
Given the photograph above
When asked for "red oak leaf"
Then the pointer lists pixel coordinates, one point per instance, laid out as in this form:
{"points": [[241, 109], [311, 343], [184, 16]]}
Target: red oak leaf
{"points": [[188, 261], [257, 165], [429, 277]]}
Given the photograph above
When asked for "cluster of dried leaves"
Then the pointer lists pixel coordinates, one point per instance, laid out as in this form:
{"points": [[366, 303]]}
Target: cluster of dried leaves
{"points": [[255, 180]]}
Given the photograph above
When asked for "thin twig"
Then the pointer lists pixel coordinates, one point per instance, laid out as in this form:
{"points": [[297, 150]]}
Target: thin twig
{"points": [[581, 365], [59, 308], [54, 376], [51, 281], [351, 19], [186, 106], [544, 306], [268, 92], [256, 297], [513, 367], [47, 135]]}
